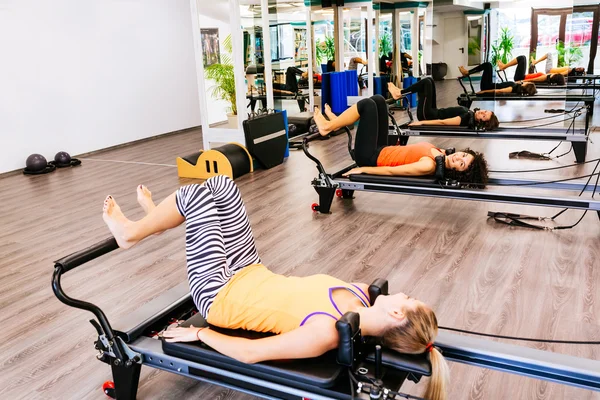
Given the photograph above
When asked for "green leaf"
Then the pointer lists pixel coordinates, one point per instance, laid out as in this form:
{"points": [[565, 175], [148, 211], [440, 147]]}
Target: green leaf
{"points": [[224, 77]]}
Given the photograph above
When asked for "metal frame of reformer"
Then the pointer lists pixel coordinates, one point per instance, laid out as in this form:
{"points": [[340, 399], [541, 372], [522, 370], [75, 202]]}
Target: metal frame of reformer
{"points": [[126, 359], [326, 186], [466, 99], [577, 136], [575, 78], [588, 84]]}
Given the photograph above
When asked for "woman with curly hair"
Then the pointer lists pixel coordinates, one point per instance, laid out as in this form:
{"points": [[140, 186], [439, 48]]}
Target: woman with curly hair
{"points": [[373, 156]]}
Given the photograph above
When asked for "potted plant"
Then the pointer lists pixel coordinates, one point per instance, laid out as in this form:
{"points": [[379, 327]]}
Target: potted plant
{"points": [[385, 44], [325, 50], [224, 78], [502, 47], [568, 55]]}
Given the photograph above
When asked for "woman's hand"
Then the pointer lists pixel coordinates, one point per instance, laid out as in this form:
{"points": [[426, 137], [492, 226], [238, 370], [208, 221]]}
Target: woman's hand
{"points": [[179, 334], [415, 123], [354, 171]]}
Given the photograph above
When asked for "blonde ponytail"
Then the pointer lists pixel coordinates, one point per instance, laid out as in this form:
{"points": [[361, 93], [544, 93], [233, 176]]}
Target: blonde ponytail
{"points": [[440, 375], [415, 335]]}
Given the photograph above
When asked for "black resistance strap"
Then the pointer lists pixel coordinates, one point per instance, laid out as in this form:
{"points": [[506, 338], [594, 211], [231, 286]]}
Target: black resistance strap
{"points": [[519, 220], [519, 338]]}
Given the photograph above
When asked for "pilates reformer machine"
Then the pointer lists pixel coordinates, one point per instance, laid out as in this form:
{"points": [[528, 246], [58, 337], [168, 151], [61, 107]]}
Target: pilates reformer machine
{"points": [[301, 98], [358, 369], [329, 185], [577, 136], [581, 82], [466, 99]]}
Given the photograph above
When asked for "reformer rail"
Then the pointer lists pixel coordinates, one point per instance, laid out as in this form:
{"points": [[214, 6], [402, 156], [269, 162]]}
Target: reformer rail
{"points": [[326, 186], [544, 365]]}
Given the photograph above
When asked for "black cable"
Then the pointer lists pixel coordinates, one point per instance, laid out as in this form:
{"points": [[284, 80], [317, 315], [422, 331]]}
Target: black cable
{"points": [[405, 395], [351, 384], [574, 110], [518, 338], [571, 226], [564, 112], [563, 154], [518, 220], [589, 179], [514, 171], [536, 126], [556, 147], [596, 185], [545, 182]]}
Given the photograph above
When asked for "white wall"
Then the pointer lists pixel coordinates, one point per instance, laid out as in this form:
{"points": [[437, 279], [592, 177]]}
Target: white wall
{"points": [[82, 75], [438, 55]]}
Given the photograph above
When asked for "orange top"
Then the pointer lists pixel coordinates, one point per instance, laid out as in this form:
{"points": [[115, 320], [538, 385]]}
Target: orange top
{"points": [[533, 76], [392, 156], [259, 300]]}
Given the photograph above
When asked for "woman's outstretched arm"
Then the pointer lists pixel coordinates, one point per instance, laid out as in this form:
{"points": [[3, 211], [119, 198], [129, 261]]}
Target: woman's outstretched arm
{"points": [[310, 340], [425, 166], [454, 121], [505, 90]]}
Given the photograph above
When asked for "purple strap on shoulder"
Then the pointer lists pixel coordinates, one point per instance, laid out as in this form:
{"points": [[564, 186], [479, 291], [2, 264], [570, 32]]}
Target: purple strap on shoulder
{"points": [[316, 313], [368, 301], [331, 289]]}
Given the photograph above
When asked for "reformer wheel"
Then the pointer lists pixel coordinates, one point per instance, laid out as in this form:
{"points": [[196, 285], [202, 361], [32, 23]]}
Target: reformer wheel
{"points": [[338, 192], [314, 207], [109, 389]]}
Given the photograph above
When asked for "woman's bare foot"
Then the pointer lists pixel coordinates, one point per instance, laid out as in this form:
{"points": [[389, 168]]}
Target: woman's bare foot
{"points": [[117, 223], [329, 113], [144, 198], [501, 65], [394, 91], [321, 122], [463, 71]]}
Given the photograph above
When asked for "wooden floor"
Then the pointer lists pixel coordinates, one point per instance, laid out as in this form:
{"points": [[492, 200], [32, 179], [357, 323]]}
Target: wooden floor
{"points": [[475, 273]]}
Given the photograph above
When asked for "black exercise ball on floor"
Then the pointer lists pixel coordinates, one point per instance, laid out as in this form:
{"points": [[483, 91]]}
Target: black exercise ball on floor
{"points": [[62, 159], [36, 163]]}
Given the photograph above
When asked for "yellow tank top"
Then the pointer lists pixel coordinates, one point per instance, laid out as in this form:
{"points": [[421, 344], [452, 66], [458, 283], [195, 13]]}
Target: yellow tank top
{"points": [[259, 300]]}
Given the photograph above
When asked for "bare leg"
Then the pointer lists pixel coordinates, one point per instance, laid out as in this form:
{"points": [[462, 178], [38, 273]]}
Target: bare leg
{"points": [[348, 117], [144, 198], [511, 63], [560, 70], [128, 233], [542, 58]]}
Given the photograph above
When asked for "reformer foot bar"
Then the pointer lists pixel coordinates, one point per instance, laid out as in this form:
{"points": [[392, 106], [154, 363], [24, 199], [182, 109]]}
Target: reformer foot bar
{"points": [[328, 185], [133, 343], [577, 136]]}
